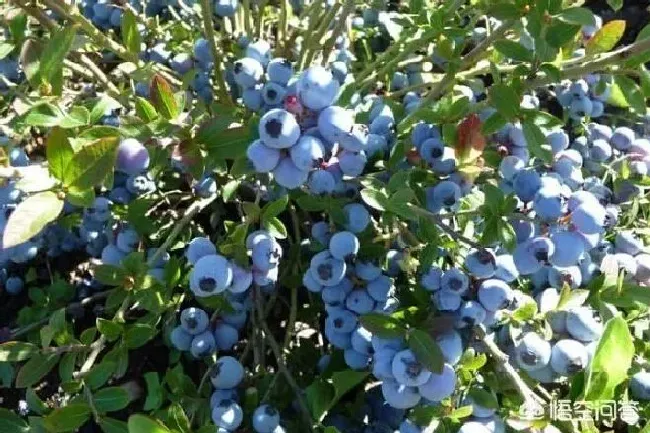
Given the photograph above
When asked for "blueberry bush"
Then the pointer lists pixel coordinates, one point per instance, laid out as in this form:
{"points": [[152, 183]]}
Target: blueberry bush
{"points": [[324, 216]]}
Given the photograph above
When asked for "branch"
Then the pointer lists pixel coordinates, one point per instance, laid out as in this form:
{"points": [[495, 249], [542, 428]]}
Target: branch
{"points": [[450, 77], [282, 367], [191, 211], [502, 360], [439, 221], [208, 27], [338, 30]]}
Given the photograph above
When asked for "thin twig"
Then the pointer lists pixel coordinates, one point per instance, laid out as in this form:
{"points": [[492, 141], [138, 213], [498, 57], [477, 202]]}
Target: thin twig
{"points": [[208, 27], [502, 360], [282, 367]]}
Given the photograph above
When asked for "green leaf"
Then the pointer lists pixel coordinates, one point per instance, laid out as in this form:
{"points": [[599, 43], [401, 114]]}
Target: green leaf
{"points": [[612, 359], [16, 351], [130, 33], [615, 4], [12, 423], [68, 418], [644, 33], [30, 217], [344, 381], [560, 34], [45, 114], [34, 402], [143, 424], [109, 275], [535, 139], [513, 50], [230, 143], [577, 15], [35, 369], [461, 412], [275, 208], [154, 391], [78, 116], [493, 123], [483, 398], [632, 93], [311, 203], [319, 397], [5, 49], [58, 152], [56, 50], [111, 399], [139, 334], [383, 326], [275, 227], [30, 56], [162, 98], [111, 425], [145, 110], [375, 198], [109, 329], [90, 166], [606, 38], [100, 374], [505, 99], [426, 350]]}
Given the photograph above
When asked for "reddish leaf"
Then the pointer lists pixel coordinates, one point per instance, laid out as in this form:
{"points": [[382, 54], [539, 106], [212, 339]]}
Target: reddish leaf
{"points": [[470, 141]]}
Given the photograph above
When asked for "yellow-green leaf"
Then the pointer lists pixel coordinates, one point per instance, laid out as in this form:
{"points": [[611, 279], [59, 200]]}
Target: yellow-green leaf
{"points": [[30, 217]]}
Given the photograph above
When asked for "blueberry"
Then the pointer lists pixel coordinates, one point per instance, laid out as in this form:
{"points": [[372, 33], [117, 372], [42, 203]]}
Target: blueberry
{"points": [[221, 394], [273, 93], [286, 174], [225, 8], [344, 246], [432, 149], [526, 183], [241, 279], [532, 254], [252, 98], [194, 320], [227, 415], [431, 279], [211, 275], [439, 386], [455, 280], [181, 339], [533, 352], [622, 138], [225, 336], [14, 285], [358, 217], [481, 263], [568, 249], [495, 294], [471, 313], [506, 269], [399, 396], [640, 385], [340, 340], [265, 419], [310, 282], [263, 158], [248, 72], [226, 373], [181, 63], [558, 276], [381, 288], [342, 321], [568, 357], [203, 345], [111, 255], [132, 157], [317, 88], [510, 166], [580, 107], [356, 360], [266, 254], [280, 71], [259, 50], [307, 153], [199, 247], [478, 410], [447, 300], [582, 325], [278, 129], [356, 139], [361, 341], [627, 242], [127, 240]]}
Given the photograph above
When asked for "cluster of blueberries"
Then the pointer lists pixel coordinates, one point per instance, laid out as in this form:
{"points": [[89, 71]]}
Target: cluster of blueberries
{"points": [[226, 375], [349, 288], [315, 142], [212, 273]]}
